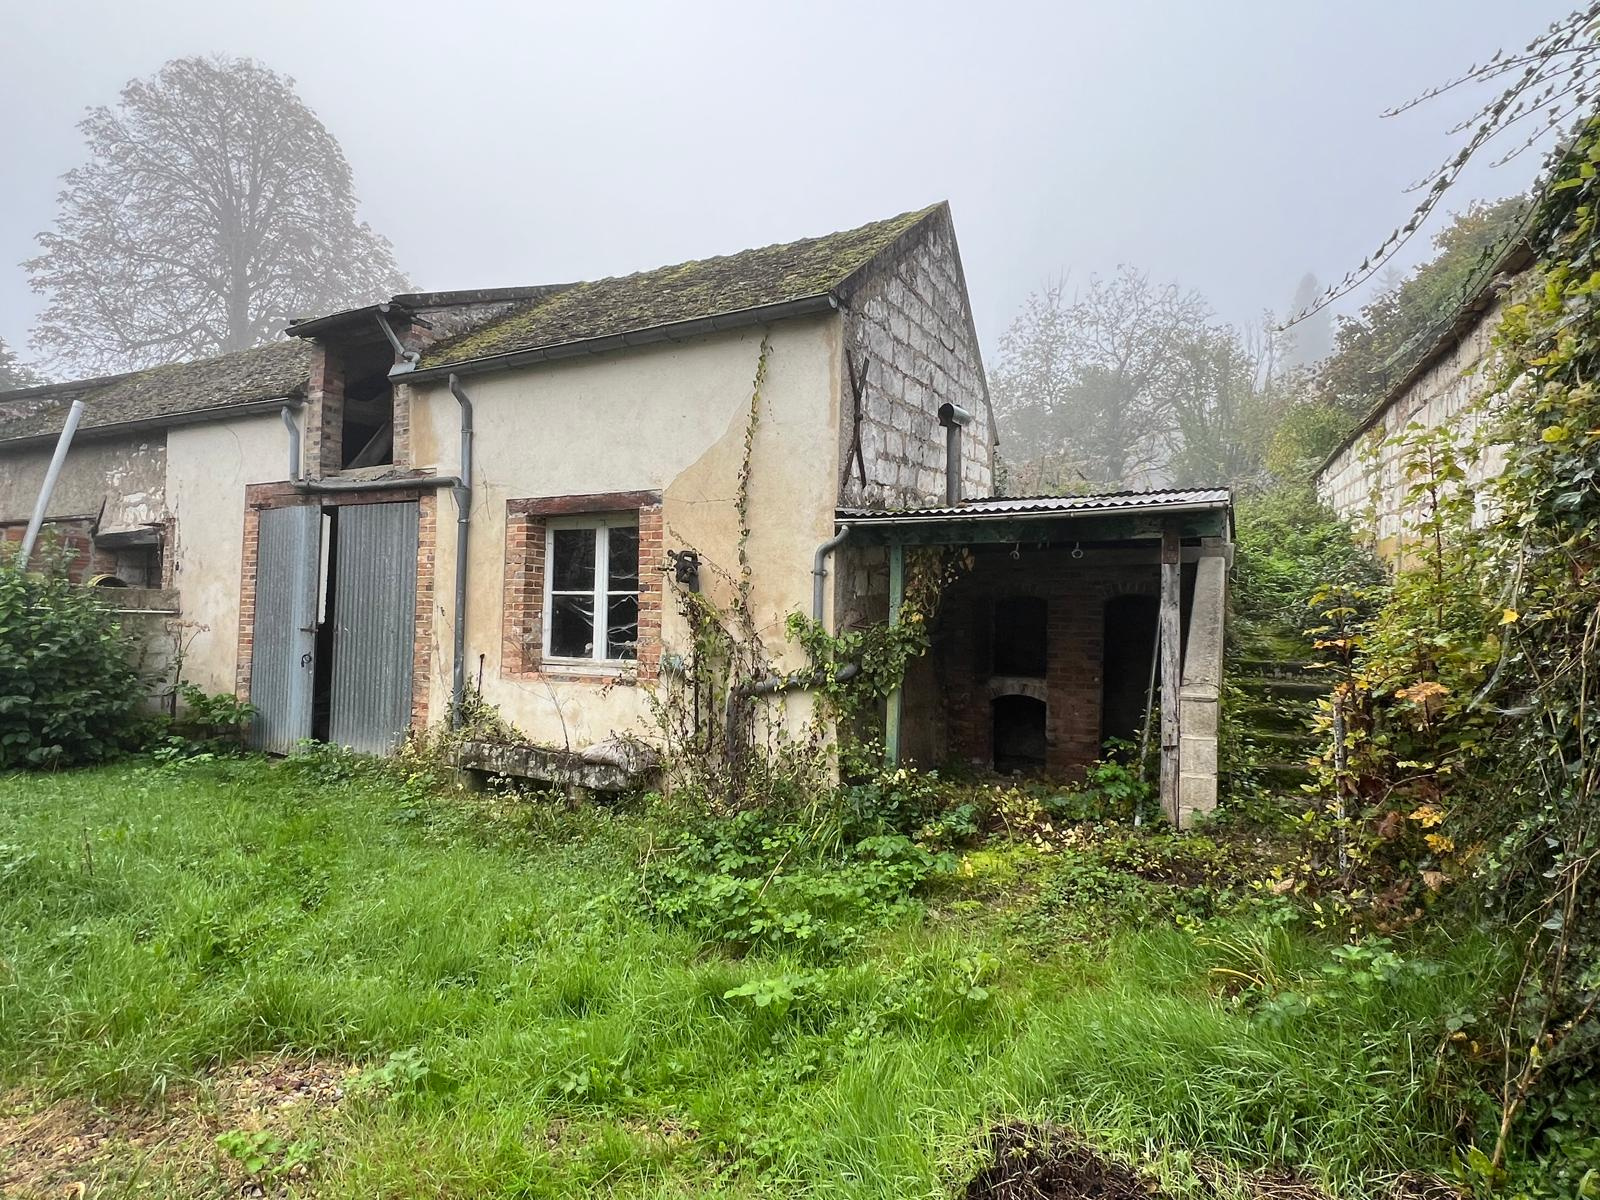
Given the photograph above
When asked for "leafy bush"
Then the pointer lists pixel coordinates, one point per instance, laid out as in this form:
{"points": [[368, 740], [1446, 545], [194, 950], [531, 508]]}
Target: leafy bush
{"points": [[766, 879], [68, 689], [1288, 546], [208, 723]]}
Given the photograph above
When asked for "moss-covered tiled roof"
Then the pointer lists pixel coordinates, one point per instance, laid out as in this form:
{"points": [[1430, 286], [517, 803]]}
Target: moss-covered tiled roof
{"points": [[264, 373], [710, 287]]}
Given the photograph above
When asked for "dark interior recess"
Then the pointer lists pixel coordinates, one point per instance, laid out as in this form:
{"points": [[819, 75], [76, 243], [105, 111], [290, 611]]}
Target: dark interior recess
{"points": [[1130, 646], [368, 434], [1019, 740], [322, 682], [1020, 641]]}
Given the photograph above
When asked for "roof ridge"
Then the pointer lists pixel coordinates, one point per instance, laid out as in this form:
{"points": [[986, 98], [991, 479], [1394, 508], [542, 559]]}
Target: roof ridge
{"points": [[748, 281]]}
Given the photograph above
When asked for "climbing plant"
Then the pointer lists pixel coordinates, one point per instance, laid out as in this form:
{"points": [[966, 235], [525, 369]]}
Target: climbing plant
{"points": [[1464, 749]]}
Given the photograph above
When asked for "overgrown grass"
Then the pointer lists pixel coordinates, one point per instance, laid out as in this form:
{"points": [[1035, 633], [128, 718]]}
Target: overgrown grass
{"points": [[532, 1029]]}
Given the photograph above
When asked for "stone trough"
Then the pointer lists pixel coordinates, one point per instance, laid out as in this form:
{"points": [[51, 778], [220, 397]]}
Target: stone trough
{"points": [[614, 765]]}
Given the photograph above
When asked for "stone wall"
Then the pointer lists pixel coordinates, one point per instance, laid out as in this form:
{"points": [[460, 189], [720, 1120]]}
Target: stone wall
{"points": [[1365, 483], [117, 482], [908, 333]]}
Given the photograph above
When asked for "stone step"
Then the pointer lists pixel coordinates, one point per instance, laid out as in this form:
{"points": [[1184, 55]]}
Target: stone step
{"points": [[1270, 668], [1300, 687]]}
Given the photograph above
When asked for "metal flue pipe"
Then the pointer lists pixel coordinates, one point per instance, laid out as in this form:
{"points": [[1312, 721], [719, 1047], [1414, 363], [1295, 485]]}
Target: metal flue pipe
{"points": [[53, 473], [954, 418]]}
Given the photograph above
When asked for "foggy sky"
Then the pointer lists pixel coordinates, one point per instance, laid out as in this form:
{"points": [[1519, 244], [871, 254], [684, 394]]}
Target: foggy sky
{"points": [[1229, 145]]}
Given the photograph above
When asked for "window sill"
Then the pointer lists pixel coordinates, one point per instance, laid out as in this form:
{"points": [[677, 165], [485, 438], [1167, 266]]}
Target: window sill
{"points": [[620, 672]]}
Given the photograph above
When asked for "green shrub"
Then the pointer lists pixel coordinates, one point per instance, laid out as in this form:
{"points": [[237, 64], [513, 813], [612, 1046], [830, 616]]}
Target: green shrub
{"points": [[68, 689], [1289, 546], [764, 879], [208, 724]]}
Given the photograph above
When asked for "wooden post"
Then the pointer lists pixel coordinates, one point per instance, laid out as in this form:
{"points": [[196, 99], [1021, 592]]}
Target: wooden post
{"points": [[896, 706], [1171, 666]]}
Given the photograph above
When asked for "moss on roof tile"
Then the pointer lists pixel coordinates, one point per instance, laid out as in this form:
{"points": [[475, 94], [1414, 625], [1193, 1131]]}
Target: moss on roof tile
{"points": [[263, 373], [681, 292]]}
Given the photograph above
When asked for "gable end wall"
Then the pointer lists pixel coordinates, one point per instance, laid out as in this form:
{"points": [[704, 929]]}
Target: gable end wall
{"points": [[910, 326]]}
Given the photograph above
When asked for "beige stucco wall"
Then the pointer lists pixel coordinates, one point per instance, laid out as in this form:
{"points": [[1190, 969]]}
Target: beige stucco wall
{"points": [[1365, 482], [208, 467], [120, 480], [670, 418]]}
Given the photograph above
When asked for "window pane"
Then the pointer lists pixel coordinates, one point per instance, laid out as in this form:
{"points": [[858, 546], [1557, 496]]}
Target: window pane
{"points": [[572, 626], [623, 558], [622, 627], [573, 568]]}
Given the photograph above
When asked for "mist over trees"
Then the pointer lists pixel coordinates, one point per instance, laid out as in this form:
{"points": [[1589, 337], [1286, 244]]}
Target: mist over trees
{"points": [[213, 207], [13, 372], [1130, 384]]}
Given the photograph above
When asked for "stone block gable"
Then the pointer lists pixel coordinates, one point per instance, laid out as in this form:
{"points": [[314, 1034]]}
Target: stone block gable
{"points": [[910, 340]]}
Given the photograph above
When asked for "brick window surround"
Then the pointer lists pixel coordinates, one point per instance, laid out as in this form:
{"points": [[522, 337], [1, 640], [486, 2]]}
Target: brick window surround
{"points": [[522, 614], [260, 496]]}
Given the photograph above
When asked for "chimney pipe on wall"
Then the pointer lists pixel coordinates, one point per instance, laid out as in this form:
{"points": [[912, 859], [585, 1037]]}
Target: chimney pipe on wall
{"points": [[953, 417]]}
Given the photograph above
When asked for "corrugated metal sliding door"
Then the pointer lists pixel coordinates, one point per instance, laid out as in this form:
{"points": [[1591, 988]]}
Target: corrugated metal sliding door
{"points": [[283, 663], [374, 615]]}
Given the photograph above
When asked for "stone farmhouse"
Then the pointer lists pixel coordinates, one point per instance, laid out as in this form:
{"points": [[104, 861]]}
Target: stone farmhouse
{"points": [[513, 490]]}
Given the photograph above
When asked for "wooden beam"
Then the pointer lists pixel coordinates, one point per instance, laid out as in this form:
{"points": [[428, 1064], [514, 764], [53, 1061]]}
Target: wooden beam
{"points": [[1171, 666], [896, 703]]}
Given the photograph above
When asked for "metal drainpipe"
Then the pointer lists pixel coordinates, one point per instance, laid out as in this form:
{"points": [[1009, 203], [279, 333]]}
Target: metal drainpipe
{"points": [[53, 473], [463, 499], [287, 412], [819, 570], [954, 418], [772, 684]]}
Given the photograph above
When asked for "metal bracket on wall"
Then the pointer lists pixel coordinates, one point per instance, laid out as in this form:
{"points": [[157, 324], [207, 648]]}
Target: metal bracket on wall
{"points": [[858, 387]]}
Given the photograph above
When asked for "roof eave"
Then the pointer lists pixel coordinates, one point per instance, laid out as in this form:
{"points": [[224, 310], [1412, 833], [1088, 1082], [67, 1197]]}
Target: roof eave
{"points": [[217, 412], [855, 517], [670, 332]]}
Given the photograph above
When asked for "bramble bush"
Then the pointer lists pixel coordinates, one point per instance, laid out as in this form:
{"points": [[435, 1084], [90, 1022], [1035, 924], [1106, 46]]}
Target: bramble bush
{"points": [[69, 692]]}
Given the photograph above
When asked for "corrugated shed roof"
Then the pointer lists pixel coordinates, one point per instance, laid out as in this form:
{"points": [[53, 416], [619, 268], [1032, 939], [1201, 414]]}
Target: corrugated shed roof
{"points": [[263, 373], [751, 279], [1001, 506]]}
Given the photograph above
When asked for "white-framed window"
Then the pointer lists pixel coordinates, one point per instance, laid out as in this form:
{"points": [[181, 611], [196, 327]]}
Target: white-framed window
{"points": [[591, 588]]}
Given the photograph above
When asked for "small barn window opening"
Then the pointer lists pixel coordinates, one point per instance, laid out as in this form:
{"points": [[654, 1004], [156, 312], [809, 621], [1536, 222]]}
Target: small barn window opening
{"points": [[1129, 639], [368, 439], [591, 601], [358, 367], [135, 557], [1020, 647], [1019, 736]]}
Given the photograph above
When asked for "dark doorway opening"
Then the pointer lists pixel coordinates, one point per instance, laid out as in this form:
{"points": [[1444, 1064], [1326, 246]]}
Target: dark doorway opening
{"points": [[1019, 743], [1020, 648], [1129, 652], [322, 686]]}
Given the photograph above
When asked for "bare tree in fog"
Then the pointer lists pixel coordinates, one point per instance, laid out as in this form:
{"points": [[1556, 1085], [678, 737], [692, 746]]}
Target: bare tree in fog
{"points": [[1083, 386], [1232, 391], [214, 206], [13, 372]]}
